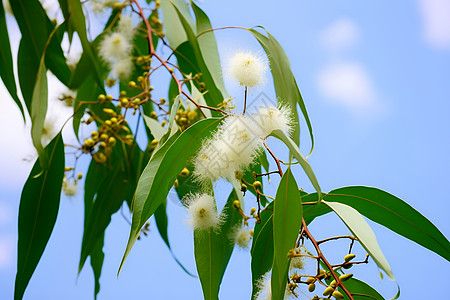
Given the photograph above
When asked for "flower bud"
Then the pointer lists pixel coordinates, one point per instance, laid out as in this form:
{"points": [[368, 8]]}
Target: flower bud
{"points": [[311, 287], [257, 185], [349, 257], [338, 295]]}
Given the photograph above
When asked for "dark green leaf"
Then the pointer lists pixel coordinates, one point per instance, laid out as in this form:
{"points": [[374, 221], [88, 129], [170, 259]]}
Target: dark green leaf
{"points": [[393, 213], [287, 221], [262, 247], [97, 257], [213, 248], [284, 81], [39, 205], [117, 180], [6, 64], [359, 287], [162, 170]]}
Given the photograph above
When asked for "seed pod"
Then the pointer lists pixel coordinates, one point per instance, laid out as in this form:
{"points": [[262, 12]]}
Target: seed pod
{"points": [[310, 280], [124, 101], [112, 141], [108, 123], [252, 210], [104, 136], [236, 204], [328, 291], [163, 123], [101, 98], [132, 84], [349, 257], [257, 185], [243, 188], [347, 266], [94, 134], [338, 295], [113, 120], [162, 101], [153, 115], [345, 277], [311, 287], [333, 283], [184, 172], [79, 176], [89, 142]]}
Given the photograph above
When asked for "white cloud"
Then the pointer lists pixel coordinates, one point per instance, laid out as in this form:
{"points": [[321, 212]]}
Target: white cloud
{"points": [[348, 84], [436, 22], [340, 34]]}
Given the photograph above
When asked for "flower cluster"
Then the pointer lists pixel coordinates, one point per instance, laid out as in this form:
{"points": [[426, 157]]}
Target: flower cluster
{"points": [[272, 118], [70, 189], [232, 149], [116, 47], [98, 6]]}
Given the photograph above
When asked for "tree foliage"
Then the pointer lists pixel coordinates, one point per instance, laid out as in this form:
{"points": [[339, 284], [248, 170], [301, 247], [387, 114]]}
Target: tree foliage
{"points": [[192, 138]]}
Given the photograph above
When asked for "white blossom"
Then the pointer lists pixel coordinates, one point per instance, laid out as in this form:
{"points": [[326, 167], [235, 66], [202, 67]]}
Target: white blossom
{"points": [[70, 189], [202, 212], [98, 6], [265, 288], [115, 46], [247, 68], [241, 236], [233, 148], [271, 118], [125, 26]]}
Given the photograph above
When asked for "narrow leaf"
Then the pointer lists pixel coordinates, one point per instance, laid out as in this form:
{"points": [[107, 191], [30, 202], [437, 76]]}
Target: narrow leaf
{"points": [[39, 205], [359, 227], [287, 220], [213, 248], [162, 170], [393, 213]]}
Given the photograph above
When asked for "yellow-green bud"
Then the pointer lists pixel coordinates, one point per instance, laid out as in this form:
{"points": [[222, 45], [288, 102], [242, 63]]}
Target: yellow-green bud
{"points": [[252, 210], [101, 98], [112, 141], [349, 257], [310, 280], [124, 101], [109, 111], [154, 142], [94, 134], [153, 115], [311, 287], [175, 184], [185, 172], [328, 291], [79, 176], [108, 122], [338, 295], [345, 277], [236, 204], [257, 185], [162, 101]]}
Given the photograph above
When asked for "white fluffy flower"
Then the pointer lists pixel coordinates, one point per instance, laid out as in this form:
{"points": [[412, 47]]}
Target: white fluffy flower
{"points": [[123, 68], [202, 212], [98, 6], [115, 46], [70, 189], [265, 288], [241, 236], [125, 26], [270, 118], [247, 68], [233, 148]]}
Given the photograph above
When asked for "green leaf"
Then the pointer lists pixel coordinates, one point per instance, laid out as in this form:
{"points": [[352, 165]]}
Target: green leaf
{"points": [[162, 222], [295, 151], [162, 170], [78, 22], [28, 13], [97, 258], [6, 63], [393, 213], [287, 221], [360, 287], [284, 81], [208, 46], [172, 25], [213, 248], [155, 127], [360, 229], [191, 60], [39, 204], [262, 247], [38, 112], [115, 184]]}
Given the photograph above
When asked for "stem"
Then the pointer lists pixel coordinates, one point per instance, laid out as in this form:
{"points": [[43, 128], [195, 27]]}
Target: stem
{"points": [[275, 158], [325, 261], [245, 100]]}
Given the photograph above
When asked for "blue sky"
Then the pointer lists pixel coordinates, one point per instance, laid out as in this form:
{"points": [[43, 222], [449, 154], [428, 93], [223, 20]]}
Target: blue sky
{"points": [[374, 76]]}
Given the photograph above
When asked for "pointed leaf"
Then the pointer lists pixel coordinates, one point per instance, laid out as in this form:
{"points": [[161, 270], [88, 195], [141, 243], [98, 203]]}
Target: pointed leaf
{"points": [[284, 81], [213, 248], [262, 247], [162, 170], [39, 205], [393, 213], [6, 63], [287, 221], [359, 227]]}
